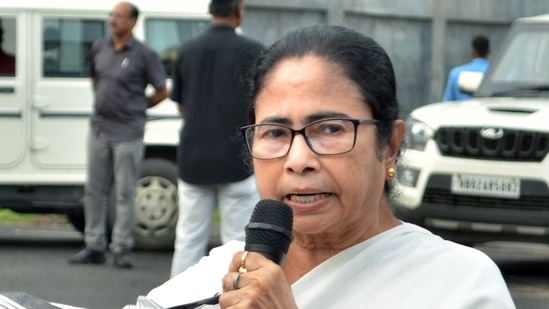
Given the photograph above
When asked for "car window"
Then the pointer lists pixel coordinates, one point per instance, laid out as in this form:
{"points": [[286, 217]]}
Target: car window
{"points": [[526, 59], [66, 43], [165, 35], [7, 46]]}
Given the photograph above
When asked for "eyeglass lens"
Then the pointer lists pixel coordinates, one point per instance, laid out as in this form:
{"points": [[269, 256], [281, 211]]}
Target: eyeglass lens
{"points": [[332, 136]]}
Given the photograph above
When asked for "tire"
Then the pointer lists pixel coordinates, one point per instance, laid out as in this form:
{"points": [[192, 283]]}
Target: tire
{"points": [[156, 206]]}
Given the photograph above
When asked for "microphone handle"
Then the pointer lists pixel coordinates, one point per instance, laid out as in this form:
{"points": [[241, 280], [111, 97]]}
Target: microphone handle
{"points": [[269, 252]]}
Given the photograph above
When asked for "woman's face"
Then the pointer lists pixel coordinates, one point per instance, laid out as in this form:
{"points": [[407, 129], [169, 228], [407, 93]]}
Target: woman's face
{"points": [[334, 197]]}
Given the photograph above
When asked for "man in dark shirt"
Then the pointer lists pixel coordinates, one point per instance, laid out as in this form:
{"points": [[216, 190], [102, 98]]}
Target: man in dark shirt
{"points": [[208, 87], [120, 68]]}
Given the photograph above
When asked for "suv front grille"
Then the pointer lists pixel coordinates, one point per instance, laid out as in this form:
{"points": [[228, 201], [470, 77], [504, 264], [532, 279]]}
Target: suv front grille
{"points": [[445, 197], [514, 145]]}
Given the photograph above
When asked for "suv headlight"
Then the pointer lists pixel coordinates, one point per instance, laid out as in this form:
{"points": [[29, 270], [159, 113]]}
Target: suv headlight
{"points": [[417, 134]]}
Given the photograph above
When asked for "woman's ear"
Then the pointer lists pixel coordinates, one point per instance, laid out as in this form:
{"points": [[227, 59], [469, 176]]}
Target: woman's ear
{"points": [[393, 148]]}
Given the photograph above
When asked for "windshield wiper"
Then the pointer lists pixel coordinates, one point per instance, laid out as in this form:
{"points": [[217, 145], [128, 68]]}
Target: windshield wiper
{"points": [[535, 89]]}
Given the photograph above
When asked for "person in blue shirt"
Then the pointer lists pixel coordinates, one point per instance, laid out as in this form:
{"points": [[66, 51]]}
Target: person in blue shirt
{"points": [[479, 52]]}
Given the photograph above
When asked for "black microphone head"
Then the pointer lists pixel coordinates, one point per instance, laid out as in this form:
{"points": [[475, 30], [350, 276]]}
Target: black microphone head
{"points": [[269, 231]]}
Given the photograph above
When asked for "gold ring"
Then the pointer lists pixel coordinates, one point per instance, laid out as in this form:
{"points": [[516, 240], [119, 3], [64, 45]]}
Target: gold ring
{"points": [[235, 281], [242, 268]]}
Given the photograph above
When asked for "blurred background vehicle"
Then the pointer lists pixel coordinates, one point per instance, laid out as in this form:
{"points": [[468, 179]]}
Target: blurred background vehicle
{"points": [[477, 170], [46, 103]]}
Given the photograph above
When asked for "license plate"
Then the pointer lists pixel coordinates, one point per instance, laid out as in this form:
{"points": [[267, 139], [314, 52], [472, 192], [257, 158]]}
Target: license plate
{"points": [[486, 186]]}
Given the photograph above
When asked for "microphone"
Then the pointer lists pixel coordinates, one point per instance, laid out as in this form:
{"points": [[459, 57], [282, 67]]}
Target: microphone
{"points": [[268, 232]]}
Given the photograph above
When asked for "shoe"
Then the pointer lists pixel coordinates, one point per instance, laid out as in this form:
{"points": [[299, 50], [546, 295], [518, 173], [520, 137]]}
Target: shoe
{"points": [[88, 256], [122, 260]]}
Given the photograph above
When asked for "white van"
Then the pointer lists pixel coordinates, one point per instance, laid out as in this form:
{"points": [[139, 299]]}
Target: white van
{"points": [[46, 102]]}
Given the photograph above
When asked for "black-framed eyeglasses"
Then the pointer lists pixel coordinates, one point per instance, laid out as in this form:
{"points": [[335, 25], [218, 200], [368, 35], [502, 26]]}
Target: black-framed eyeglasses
{"points": [[331, 136]]}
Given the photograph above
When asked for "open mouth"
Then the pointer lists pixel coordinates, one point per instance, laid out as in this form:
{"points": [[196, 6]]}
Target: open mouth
{"points": [[307, 198]]}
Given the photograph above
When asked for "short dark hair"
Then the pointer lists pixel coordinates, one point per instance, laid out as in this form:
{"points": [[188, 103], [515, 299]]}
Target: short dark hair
{"points": [[481, 45], [364, 61], [134, 10], [223, 8]]}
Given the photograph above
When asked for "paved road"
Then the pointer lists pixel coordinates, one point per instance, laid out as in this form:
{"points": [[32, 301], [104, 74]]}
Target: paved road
{"points": [[34, 260], [526, 271]]}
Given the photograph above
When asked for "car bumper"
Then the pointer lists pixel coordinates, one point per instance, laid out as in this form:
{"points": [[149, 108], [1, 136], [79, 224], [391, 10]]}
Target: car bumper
{"points": [[427, 199]]}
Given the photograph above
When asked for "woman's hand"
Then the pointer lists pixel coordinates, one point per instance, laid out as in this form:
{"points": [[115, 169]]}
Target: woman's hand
{"points": [[263, 285]]}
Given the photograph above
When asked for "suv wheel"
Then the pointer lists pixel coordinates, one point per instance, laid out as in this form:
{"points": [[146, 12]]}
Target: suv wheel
{"points": [[156, 206]]}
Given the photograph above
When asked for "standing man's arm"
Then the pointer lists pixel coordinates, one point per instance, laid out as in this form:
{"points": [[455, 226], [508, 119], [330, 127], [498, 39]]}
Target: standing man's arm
{"points": [[156, 76], [159, 96], [177, 84], [93, 83], [181, 110], [90, 69], [450, 91]]}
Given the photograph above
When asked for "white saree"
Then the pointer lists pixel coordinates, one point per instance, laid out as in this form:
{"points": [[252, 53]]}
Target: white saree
{"points": [[405, 267]]}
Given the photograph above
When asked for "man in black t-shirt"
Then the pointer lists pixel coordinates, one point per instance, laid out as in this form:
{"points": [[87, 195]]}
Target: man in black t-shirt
{"points": [[211, 96]]}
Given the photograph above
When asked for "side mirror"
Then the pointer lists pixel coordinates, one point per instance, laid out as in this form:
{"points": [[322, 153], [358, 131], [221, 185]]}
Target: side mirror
{"points": [[468, 82]]}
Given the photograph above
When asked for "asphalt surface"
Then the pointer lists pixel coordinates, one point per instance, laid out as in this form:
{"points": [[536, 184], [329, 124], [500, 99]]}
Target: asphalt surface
{"points": [[34, 260]]}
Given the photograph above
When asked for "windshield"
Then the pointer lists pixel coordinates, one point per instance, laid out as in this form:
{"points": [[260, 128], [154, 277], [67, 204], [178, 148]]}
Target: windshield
{"points": [[526, 59], [522, 66]]}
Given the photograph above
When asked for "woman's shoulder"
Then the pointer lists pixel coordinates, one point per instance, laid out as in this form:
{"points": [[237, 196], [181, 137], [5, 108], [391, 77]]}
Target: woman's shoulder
{"points": [[422, 243]]}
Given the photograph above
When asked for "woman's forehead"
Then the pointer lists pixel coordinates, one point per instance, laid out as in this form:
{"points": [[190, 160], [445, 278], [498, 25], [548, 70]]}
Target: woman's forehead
{"points": [[306, 87], [292, 68], [301, 113]]}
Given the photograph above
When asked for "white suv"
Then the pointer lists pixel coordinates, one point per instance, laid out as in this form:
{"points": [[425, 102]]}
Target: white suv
{"points": [[478, 170]]}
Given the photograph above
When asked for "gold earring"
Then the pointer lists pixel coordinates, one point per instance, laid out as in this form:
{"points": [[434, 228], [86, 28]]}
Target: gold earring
{"points": [[391, 172]]}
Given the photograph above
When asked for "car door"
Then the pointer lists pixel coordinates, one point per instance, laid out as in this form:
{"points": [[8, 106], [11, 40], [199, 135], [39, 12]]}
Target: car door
{"points": [[62, 93], [13, 98]]}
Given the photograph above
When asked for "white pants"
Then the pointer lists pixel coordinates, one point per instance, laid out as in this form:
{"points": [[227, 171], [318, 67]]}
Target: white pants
{"points": [[197, 205]]}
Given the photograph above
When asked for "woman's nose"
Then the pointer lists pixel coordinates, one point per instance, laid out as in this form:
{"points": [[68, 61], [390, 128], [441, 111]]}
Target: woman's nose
{"points": [[301, 157]]}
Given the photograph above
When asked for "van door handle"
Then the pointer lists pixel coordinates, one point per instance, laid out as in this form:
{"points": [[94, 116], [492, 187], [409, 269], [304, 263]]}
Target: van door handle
{"points": [[7, 90]]}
